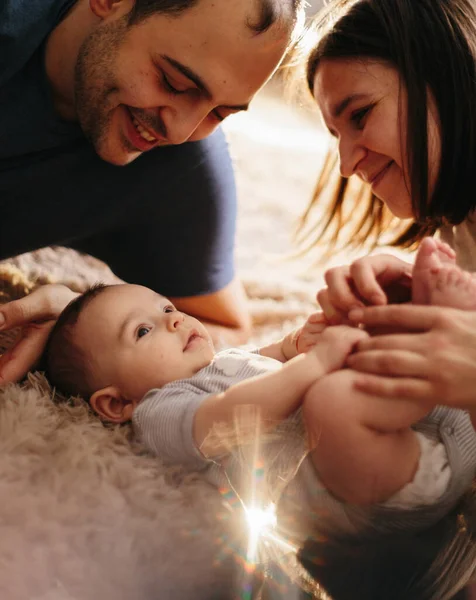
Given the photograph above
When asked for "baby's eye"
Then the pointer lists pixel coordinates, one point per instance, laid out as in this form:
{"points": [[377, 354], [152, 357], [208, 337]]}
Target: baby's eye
{"points": [[143, 330], [169, 308]]}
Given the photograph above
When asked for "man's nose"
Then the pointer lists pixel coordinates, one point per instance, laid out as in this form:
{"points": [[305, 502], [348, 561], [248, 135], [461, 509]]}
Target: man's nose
{"points": [[182, 119], [174, 320], [350, 155]]}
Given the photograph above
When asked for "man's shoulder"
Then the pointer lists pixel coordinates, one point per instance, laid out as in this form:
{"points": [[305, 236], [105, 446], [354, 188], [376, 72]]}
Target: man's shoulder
{"points": [[24, 25]]}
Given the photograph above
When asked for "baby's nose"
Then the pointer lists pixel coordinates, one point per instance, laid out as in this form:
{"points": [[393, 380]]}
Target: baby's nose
{"points": [[174, 320]]}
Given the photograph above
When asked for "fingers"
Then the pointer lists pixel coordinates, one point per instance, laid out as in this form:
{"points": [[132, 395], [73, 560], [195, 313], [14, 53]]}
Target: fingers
{"points": [[396, 363], [417, 318], [315, 323], [341, 340], [332, 315], [17, 312], [340, 293], [346, 332], [318, 318], [20, 359], [364, 277], [413, 342], [363, 282], [43, 304], [405, 388]]}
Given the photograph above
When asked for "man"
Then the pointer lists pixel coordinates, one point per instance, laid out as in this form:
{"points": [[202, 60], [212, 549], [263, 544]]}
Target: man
{"points": [[96, 98]]}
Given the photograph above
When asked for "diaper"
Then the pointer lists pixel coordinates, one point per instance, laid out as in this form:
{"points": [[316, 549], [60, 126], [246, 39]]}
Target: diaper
{"points": [[431, 479]]}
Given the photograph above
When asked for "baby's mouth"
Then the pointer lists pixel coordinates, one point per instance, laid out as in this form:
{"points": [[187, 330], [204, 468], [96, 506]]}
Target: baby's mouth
{"points": [[191, 338]]}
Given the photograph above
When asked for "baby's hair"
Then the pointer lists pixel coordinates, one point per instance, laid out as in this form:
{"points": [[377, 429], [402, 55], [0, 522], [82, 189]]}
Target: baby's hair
{"points": [[433, 564], [64, 362]]}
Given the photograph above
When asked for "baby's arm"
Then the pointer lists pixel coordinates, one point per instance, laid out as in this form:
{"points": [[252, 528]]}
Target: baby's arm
{"points": [[298, 341], [278, 394], [363, 447]]}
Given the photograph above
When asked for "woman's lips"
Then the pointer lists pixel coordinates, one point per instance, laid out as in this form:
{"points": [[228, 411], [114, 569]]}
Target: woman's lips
{"points": [[378, 178]]}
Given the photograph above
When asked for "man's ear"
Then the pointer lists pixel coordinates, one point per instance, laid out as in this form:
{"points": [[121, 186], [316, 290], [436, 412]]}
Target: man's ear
{"points": [[107, 8], [111, 405]]}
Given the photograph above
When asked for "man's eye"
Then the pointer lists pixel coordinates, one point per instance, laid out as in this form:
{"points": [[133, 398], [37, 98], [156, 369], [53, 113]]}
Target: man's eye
{"points": [[169, 308], [143, 330], [169, 87]]}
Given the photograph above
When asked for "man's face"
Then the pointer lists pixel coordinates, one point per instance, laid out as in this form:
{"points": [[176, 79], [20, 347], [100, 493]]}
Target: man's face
{"points": [[171, 79], [136, 340]]}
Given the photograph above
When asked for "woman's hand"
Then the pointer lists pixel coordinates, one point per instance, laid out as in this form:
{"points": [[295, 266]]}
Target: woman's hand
{"points": [[376, 280], [36, 314], [435, 362]]}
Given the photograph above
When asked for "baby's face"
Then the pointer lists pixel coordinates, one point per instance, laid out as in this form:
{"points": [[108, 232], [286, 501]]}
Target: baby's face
{"points": [[136, 340]]}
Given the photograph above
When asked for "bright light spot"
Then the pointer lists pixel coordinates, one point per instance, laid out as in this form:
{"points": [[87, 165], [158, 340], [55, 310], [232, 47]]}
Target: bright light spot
{"points": [[260, 520], [260, 523]]}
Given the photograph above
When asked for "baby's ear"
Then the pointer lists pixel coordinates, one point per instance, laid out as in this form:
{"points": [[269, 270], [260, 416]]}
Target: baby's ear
{"points": [[111, 405]]}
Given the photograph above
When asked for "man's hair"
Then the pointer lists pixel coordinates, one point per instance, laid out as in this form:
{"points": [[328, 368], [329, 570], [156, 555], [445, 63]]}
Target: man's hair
{"points": [[64, 361], [426, 565], [270, 10], [432, 44]]}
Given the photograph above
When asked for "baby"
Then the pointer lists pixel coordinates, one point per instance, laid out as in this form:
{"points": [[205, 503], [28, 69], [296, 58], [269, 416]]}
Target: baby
{"points": [[372, 464]]}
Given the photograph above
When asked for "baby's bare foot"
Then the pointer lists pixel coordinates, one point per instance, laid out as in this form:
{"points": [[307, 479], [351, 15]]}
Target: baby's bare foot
{"points": [[451, 286], [432, 255]]}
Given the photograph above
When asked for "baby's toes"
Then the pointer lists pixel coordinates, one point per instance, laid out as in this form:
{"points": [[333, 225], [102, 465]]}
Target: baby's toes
{"points": [[445, 253]]}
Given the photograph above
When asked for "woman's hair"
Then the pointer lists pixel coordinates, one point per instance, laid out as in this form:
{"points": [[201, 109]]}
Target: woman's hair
{"points": [[429, 565], [432, 44]]}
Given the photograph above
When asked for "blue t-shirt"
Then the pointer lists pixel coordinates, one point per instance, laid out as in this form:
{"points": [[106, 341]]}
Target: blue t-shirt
{"points": [[54, 189], [28, 123]]}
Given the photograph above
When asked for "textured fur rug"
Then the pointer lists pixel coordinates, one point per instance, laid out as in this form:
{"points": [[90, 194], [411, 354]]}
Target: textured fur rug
{"points": [[85, 517]]}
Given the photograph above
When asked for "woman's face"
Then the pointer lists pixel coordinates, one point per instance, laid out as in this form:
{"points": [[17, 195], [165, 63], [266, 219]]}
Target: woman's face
{"points": [[364, 107]]}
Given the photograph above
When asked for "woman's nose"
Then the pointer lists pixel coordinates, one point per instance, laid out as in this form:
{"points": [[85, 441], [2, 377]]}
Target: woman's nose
{"points": [[350, 155]]}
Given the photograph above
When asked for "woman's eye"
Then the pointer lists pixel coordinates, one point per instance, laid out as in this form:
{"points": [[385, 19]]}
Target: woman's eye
{"points": [[143, 330], [358, 116], [169, 308]]}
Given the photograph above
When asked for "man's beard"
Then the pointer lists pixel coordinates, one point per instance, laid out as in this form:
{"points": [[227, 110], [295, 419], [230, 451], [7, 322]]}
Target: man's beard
{"points": [[95, 80]]}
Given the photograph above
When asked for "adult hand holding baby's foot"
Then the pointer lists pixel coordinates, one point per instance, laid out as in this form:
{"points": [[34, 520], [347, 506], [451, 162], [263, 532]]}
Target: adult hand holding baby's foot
{"points": [[372, 280], [434, 362]]}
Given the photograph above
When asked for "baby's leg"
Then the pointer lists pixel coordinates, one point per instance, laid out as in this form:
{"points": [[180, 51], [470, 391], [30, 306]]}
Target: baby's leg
{"points": [[362, 445], [432, 255]]}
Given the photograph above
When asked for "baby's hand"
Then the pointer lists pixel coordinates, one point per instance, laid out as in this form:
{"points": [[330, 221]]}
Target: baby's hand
{"points": [[304, 338], [334, 345], [310, 332]]}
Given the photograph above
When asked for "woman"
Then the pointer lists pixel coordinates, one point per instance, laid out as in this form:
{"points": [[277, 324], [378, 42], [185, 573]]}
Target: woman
{"points": [[395, 81]]}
